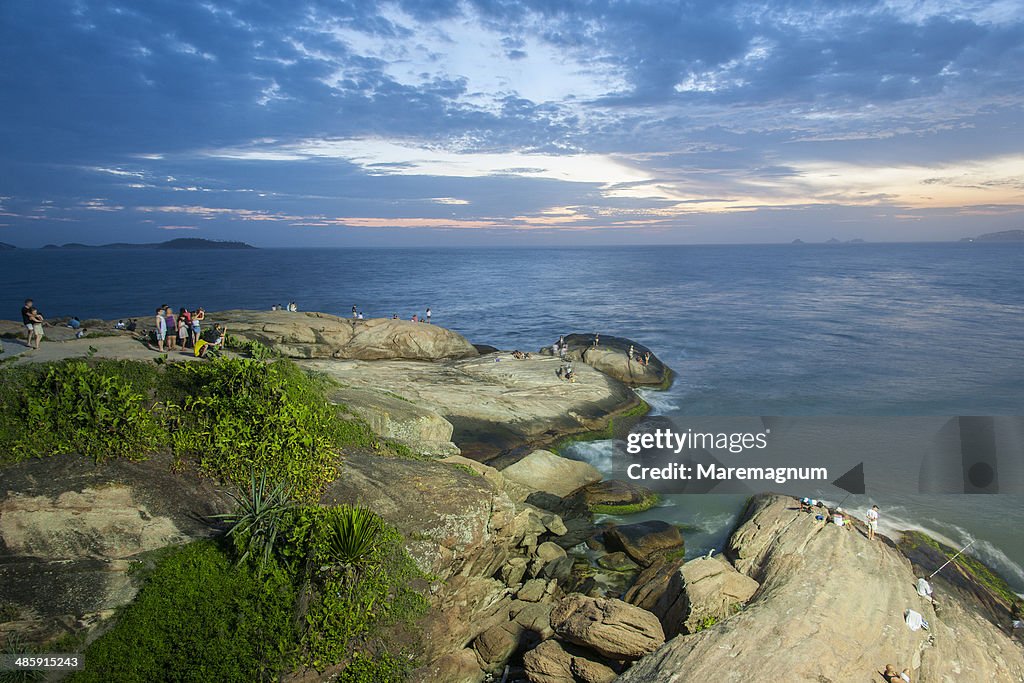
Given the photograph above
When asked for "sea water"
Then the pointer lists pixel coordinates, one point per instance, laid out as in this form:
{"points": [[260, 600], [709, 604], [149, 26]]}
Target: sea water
{"points": [[857, 329]]}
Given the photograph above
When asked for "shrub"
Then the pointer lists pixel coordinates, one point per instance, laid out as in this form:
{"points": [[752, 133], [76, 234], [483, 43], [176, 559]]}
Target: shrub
{"points": [[257, 520], [198, 618], [382, 668], [73, 407], [361, 580], [241, 414]]}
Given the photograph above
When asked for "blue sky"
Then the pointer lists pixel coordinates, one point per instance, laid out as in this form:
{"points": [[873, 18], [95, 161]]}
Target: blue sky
{"points": [[510, 122]]}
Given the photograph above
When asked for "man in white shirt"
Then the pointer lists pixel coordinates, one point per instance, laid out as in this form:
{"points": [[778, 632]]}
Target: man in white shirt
{"points": [[872, 522]]}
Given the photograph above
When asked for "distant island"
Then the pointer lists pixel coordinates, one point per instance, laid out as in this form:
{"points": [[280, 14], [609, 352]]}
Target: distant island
{"points": [[181, 243], [4, 245], [1002, 236]]}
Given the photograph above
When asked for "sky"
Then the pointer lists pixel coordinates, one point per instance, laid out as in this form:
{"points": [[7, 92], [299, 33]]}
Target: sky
{"points": [[510, 122]]}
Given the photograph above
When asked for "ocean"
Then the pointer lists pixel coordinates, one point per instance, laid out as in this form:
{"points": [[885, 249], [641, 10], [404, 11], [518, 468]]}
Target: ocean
{"points": [[884, 330]]}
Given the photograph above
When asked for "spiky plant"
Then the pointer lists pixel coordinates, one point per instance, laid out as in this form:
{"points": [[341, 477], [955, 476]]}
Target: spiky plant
{"points": [[352, 535], [255, 522]]}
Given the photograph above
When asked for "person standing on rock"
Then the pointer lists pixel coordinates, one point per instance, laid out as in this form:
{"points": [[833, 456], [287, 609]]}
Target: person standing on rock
{"points": [[161, 328], [355, 311], [26, 320], [872, 522], [428, 315]]}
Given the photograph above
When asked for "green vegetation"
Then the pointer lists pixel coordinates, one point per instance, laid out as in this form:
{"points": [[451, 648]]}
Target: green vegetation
{"points": [[364, 583], [705, 623], [240, 414], [383, 668], [254, 348], [198, 617], [257, 519], [327, 586], [615, 426], [466, 468], [300, 585], [648, 502], [14, 645], [974, 568], [227, 417], [74, 407]]}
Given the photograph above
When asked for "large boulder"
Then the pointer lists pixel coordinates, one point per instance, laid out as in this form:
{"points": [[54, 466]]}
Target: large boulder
{"points": [[390, 416], [714, 591], [645, 542], [69, 531], [614, 497], [690, 597], [830, 608], [612, 628], [495, 403], [611, 356], [319, 335], [551, 473], [555, 662]]}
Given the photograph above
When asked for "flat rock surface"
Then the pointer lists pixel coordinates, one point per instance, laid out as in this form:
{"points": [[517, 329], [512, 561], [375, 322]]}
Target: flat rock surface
{"points": [[830, 609], [551, 473], [494, 402], [320, 335]]}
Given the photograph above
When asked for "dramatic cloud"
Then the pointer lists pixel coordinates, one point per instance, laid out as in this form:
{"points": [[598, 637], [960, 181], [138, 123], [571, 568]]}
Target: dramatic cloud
{"points": [[318, 122]]}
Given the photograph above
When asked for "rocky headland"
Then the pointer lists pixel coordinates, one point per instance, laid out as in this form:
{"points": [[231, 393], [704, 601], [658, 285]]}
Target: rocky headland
{"points": [[522, 584]]}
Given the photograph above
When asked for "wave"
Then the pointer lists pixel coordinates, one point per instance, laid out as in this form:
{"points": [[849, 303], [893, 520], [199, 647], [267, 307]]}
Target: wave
{"points": [[661, 402], [600, 454]]}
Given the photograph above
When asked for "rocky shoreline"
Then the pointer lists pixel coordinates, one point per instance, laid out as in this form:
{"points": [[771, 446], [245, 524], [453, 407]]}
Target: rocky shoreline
{"points": [[523, 585]]}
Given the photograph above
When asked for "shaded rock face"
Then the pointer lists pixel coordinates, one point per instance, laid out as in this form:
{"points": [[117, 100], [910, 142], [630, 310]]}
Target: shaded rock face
{"points": [[495, 403], [661, 590], [611, 356], [611, 628], [830, 608], [645, 542], [319, 335], [688, 597], [69, 530], [551, 473], [421, 429]]}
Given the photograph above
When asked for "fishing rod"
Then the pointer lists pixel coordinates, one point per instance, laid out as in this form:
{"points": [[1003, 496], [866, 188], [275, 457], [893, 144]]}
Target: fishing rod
{"points": [[952, 558]]}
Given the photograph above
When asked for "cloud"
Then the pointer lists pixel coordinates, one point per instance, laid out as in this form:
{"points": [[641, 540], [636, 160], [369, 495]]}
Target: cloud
{"points": [[483, 114]]}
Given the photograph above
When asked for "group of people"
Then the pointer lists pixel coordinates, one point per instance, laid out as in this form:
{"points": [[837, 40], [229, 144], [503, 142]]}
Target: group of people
{"points": [[292, 307], [416, 317], [185, 330], [839, 517], [641, 358]]}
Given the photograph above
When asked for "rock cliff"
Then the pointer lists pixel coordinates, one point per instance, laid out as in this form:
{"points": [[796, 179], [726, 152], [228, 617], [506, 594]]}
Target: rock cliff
{"points": [[830, 608]]}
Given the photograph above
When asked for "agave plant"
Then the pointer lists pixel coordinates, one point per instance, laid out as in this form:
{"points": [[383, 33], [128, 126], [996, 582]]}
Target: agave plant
{"points": [[16, 646], [352, 535], [255, 522]]}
